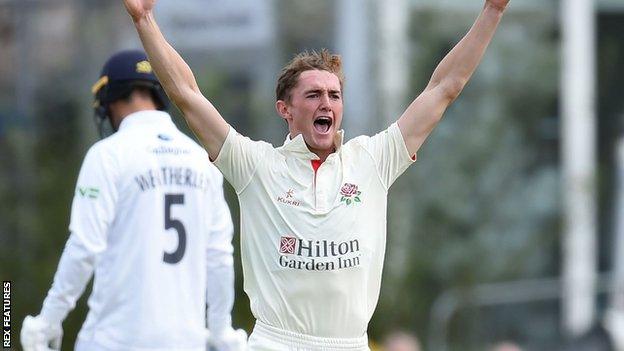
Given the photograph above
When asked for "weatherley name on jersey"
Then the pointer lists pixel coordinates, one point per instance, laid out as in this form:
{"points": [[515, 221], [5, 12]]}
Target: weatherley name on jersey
{"points": [[181, 176]]}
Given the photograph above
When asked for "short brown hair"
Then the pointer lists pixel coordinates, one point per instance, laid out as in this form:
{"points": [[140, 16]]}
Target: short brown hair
{"points": [[306, 61]]}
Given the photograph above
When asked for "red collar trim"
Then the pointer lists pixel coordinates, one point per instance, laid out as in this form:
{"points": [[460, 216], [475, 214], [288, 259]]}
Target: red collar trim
{"points": [[316, 164]]}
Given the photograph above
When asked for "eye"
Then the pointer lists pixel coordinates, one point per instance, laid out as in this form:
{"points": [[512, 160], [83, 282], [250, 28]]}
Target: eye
{"points": [[312, 96], [335, 96]]}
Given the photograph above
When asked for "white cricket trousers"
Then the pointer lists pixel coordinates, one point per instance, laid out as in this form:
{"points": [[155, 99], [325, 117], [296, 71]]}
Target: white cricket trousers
{"points": [[268, 338]]}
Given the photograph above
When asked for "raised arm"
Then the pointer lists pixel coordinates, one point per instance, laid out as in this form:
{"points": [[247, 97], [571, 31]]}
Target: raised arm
{"points": [[177, 79], [450, 77]]}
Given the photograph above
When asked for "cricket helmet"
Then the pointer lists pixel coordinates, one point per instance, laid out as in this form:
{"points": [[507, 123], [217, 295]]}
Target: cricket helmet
{"points": [[122, 73]]}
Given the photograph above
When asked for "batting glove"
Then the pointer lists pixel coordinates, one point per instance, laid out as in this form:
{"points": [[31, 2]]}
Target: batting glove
{"points": [[37, 334], [614, 323], [228, 340]]}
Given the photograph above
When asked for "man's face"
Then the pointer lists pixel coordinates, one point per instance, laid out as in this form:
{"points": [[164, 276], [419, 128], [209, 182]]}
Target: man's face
{"points": [[314, 110]]}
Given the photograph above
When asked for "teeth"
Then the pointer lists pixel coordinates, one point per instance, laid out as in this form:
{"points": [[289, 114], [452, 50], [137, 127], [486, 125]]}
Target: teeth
{"points": [[323, 120]]}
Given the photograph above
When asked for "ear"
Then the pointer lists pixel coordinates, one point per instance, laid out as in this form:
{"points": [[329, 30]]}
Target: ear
{"points": [[283, 109]]}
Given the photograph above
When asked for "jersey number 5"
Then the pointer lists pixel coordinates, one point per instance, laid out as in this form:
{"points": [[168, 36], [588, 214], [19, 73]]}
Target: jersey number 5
{"points": [[175, 256]]}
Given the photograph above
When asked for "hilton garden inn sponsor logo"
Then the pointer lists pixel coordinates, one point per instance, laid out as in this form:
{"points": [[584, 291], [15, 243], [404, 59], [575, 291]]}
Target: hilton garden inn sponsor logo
{"points": [[318, 255]]}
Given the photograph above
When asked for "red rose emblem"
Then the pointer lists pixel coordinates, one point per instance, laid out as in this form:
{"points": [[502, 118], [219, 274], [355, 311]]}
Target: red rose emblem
{"points": [[349, 191]]}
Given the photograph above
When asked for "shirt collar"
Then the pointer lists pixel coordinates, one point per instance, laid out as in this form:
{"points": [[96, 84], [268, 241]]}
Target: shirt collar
{"points": [[297, 145], [145, 117]]}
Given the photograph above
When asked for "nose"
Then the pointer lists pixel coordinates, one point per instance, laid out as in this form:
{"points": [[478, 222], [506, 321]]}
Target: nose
{"points": [[325, 104]]}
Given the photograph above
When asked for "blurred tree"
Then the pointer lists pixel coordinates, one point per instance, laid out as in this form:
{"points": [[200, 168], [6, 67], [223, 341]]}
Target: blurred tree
{"points": [[481, 204]]}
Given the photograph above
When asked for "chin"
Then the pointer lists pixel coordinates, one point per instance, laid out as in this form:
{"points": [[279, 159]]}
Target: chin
{"points": [[325, 146], [321, 142]]}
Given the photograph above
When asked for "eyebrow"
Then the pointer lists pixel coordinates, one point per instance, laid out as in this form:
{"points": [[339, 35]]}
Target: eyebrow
{"points": [[331, 91]]}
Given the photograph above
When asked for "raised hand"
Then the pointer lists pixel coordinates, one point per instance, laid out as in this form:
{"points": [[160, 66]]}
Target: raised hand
{"points": [[139, 8]]}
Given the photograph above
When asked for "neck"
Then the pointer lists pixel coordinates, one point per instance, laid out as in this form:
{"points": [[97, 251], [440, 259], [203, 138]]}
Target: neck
{"points": [[135, 107], [121, 110], [322, 154]]}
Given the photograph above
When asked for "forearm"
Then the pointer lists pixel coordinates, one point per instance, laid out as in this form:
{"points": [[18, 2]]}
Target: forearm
{"points": [[457, 67], [449, 78], [220, 297], [72, 275], [180, 85], [174, 74]]}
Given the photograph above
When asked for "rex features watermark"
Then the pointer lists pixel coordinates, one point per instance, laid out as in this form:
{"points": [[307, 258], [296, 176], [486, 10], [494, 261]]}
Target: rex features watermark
{"points": [[318, 255], [6, 314]]}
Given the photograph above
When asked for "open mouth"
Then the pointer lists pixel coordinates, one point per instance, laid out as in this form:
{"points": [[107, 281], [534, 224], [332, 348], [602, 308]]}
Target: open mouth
{"points": [[322, 124]]}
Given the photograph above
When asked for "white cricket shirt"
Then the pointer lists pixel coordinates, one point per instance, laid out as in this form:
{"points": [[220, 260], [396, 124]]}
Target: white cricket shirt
{"points": [[148, 218], [312, 245]]}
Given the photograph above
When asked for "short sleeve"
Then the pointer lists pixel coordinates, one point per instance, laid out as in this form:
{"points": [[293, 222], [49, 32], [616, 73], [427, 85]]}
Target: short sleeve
{"points": [[389, 153], [238, 159]]}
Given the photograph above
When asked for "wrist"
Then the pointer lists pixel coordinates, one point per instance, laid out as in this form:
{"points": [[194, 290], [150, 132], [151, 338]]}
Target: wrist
{"points": [[219, 324], [143, 19], [499, 8], [52, 316]]}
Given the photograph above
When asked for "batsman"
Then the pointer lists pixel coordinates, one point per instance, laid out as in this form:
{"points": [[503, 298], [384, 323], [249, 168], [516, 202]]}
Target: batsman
{"points": [[313, 211], [150, 224]]}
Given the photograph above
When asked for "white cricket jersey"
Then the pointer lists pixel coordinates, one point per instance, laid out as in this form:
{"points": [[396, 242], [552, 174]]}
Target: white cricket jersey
{"points": [[149, 218], [312, 244]]}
